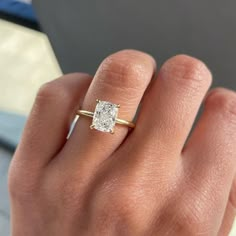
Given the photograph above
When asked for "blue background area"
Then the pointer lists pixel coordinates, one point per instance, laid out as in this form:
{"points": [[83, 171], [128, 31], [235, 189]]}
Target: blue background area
{"points": [[11, 126], [18, 9]]}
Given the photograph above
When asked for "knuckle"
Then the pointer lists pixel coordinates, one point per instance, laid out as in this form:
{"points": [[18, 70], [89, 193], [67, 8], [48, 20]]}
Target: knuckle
{"points": [[187, 70], [119, 203], [185, 220], [224, 101], [52, 90], [67, 191], [116, 200], [21, 184], [127, 68], [47, 90], [191, 221]]}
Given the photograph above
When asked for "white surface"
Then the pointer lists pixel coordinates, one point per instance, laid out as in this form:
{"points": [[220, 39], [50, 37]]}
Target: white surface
{"points": [[26, 62]]}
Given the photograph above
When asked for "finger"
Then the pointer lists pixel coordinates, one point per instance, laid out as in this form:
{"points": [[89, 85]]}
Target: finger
{"points": [[121, 79], [170, 107], [50, 119], [210, 154]]}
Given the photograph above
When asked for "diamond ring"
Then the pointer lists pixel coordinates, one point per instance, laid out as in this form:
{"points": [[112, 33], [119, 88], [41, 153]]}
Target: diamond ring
{"points": [[105, 117]]}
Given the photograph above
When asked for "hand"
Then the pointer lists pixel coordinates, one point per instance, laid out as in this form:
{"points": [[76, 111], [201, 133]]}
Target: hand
{"points": [[147, 181]]}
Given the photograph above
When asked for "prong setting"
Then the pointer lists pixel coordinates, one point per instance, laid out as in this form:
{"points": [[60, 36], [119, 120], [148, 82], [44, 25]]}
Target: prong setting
{"points": [[112, 131], [92, 126]]}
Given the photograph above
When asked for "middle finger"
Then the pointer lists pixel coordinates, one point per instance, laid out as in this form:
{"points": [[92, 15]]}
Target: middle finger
{"points": [[169, 108]]}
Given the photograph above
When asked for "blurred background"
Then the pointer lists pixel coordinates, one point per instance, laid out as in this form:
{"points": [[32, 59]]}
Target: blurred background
{"points": [[26, 61], [42, 39]]}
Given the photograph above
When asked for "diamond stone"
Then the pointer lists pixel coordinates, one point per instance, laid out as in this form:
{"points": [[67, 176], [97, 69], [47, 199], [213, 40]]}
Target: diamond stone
{"points": [[104, 118]]}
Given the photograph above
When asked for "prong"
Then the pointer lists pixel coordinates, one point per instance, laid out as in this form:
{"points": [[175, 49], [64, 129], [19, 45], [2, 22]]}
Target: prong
{"points": [[118, 105], [92, 126], [112, 131], [97, 100]]}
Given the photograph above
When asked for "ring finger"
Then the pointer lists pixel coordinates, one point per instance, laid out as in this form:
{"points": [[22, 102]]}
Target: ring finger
{"points": [[122, 78]]}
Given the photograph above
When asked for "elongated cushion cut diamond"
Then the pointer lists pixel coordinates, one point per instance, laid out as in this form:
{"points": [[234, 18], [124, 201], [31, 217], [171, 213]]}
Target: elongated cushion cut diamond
{"points": [[104, 118]]}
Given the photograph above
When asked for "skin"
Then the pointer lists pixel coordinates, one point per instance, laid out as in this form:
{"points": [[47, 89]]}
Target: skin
{"points": [[157, 179]]}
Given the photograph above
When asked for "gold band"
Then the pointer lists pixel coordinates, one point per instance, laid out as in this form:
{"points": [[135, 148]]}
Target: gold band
{"points": [[118, 121]]}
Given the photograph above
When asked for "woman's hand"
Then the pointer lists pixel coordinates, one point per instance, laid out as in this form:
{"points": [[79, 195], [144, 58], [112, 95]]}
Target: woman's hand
{"points": [[149, 181]]}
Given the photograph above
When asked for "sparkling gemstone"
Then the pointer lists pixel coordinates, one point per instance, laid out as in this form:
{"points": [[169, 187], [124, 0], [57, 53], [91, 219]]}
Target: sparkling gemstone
{"points": [[104, 117]]}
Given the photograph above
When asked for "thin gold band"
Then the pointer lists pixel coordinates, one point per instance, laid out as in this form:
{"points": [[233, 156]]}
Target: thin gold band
{"points": [[118, 121]]}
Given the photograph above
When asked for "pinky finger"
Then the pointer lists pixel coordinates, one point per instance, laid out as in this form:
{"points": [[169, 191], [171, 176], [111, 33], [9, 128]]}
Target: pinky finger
{"points": [[209, 157]]}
